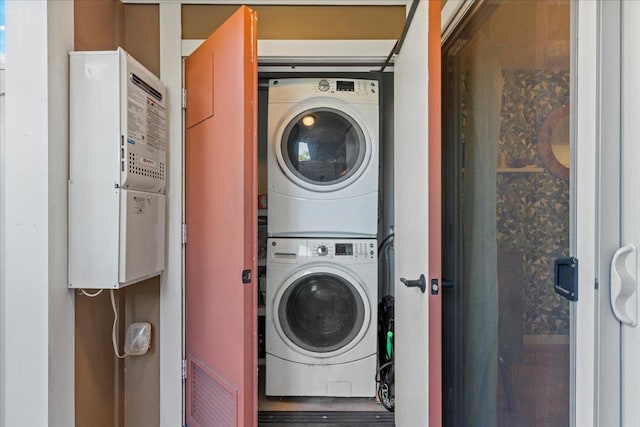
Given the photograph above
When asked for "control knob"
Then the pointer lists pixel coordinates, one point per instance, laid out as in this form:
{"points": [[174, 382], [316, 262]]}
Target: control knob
{"points": [[323, 85], [322, 250]]}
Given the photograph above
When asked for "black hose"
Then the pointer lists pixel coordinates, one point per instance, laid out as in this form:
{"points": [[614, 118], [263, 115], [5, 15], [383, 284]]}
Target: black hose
{"points": [[398, 46], [384, 241]]}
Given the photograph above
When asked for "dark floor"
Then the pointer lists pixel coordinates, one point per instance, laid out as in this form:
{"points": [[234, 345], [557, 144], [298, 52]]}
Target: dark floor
{"points": [[325, 419], [540, 398], [319, 411], [326, 404], [540, 388]]}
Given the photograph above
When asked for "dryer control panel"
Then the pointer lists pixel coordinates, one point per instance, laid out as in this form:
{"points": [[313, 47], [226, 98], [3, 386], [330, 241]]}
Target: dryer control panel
{"points": [[348, 86], [350, 90]]}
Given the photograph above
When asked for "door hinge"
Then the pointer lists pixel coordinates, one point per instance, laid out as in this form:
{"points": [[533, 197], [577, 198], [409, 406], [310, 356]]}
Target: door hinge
{"points": [[184, 98], [184, 234], [184, 369]]}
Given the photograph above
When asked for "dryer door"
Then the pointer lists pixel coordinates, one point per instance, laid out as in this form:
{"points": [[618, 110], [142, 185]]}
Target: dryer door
{"points": [[322, 313], [323, 148]]}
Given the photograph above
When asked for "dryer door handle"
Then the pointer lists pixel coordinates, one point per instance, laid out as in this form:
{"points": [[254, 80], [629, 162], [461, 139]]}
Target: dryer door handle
{"points": [[420, 283]]}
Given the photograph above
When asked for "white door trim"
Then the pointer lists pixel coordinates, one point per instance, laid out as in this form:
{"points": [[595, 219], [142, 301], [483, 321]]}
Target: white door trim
{"points": [[584, 115], [630, 231], [352, 51], [315, 55], [608, 381], [171, 288], [37, 312], [411, 214]]}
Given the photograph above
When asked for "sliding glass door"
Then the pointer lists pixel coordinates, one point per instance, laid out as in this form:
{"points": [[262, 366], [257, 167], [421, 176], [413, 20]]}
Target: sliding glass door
{"points": [[507, 204]]}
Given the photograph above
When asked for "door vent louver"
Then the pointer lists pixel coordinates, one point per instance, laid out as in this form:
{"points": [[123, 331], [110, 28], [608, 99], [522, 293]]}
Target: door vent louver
{"points": [[213, 403]]}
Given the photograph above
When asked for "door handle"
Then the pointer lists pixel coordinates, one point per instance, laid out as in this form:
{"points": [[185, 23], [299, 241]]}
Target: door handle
{"points": [[624, 285], [420, 283]]}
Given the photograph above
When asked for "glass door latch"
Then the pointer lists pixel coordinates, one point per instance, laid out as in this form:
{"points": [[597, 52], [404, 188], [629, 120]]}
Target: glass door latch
{"points": [[566, 277], [624, 285]]}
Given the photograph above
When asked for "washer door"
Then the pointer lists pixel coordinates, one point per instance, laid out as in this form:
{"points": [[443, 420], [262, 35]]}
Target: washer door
{"points": [[323, 148], [322, 313]]}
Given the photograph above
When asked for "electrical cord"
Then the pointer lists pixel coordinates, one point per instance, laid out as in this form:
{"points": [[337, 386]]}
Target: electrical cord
{"points": [[115, 319], [87, 294], [113, 330], [384, 378], [381, 368]]}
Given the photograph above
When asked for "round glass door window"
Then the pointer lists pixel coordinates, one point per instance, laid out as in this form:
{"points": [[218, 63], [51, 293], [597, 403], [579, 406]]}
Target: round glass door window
{"points": [[323, 146], [321, 312]]}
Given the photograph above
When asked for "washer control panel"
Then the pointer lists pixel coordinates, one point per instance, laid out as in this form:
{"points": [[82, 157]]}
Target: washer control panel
{"points": [[356, 250]]}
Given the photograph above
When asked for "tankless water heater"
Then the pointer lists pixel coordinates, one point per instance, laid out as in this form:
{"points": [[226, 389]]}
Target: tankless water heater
{"points": [[117, 171]]}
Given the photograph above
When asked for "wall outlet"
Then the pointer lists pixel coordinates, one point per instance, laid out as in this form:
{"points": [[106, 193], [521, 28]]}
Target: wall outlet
{"points": [[138, 339]]}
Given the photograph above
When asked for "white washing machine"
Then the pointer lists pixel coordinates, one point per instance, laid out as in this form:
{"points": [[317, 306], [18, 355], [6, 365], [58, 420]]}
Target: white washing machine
{"points": [[321, 317], [323, 158]]}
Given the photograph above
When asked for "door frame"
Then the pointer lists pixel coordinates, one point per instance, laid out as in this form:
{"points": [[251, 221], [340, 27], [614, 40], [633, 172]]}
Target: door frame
{"points": [[585, 39], [585, 124], [360, 54], [630, 202]]}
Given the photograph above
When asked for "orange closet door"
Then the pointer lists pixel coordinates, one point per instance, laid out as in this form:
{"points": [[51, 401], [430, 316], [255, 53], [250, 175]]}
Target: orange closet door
{"points": [[221, 141]]}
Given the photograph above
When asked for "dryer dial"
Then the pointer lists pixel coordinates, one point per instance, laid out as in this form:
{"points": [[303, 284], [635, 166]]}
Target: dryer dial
{"points": [[322, 250]]}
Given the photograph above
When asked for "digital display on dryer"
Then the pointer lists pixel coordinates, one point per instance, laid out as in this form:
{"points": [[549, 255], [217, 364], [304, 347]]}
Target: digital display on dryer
{"points": [[345, 86], [344, 249]]}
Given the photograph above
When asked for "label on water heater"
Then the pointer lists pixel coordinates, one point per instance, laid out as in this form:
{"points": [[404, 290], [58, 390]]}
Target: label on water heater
{"points": [[146, 120], [148, 162], [145, 131], [138, 204]]}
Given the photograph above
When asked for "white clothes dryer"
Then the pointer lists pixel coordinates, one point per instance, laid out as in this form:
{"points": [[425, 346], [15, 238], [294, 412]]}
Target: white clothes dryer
{"points": [[323, 158], [321, 317]]}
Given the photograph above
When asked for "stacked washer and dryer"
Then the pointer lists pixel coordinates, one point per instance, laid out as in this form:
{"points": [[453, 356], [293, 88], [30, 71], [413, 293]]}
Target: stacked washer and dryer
{"points": [[322, 287]]}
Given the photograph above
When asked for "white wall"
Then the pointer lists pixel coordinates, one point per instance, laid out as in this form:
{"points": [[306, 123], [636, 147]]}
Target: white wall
{"points": [[38, 309], [2, 180]]}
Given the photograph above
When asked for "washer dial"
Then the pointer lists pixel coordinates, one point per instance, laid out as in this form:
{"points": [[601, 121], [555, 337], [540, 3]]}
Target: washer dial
{"points": [[323, 85]]}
